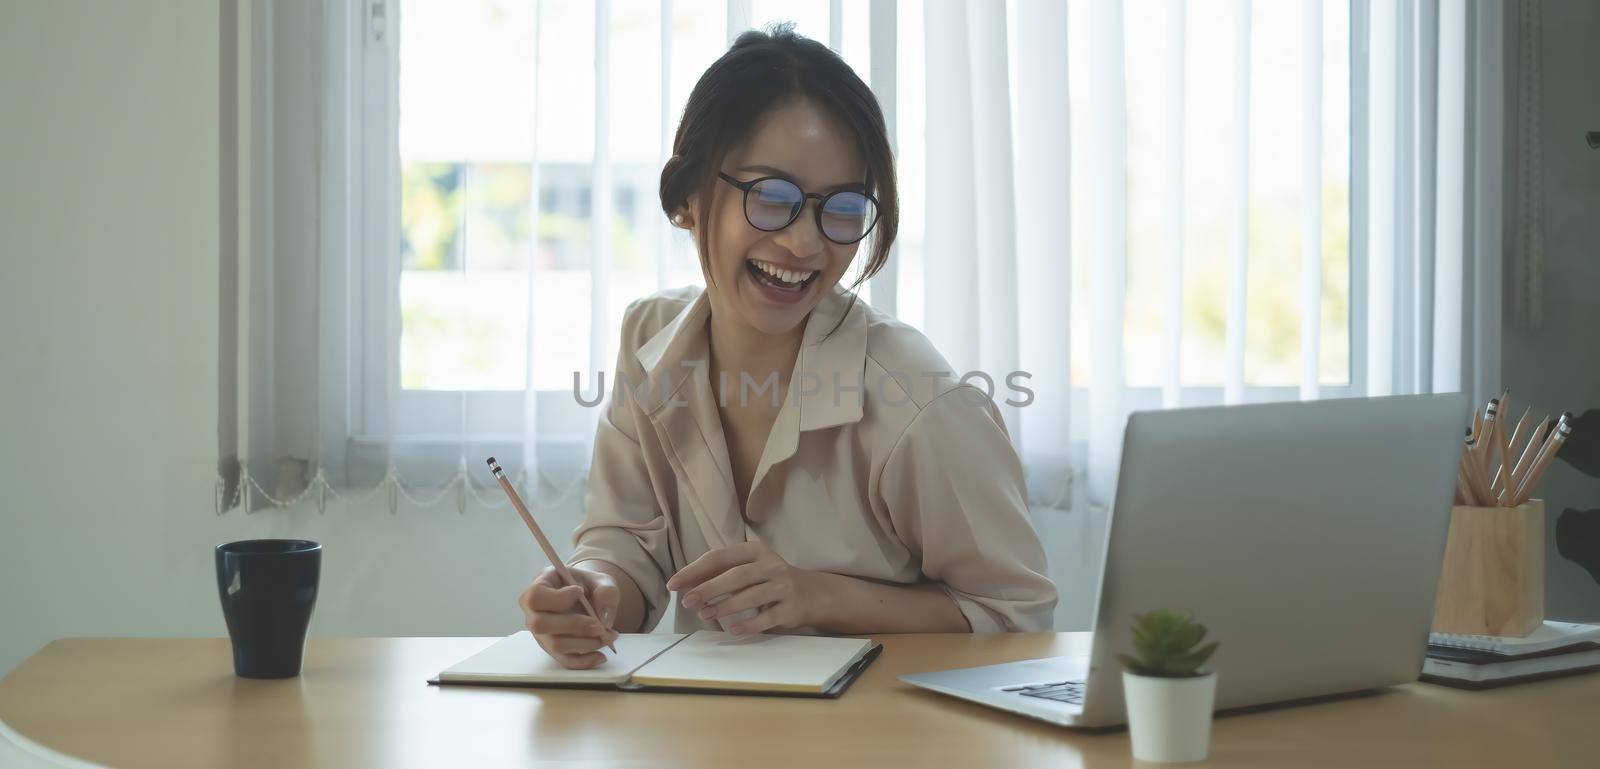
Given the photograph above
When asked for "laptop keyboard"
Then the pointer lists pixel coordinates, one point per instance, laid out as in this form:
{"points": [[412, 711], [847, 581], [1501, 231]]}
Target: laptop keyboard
{"points": [[1060, 691]]}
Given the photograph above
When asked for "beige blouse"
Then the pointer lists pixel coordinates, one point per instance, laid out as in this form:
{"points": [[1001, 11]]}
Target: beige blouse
{"points": [[880, 465]]}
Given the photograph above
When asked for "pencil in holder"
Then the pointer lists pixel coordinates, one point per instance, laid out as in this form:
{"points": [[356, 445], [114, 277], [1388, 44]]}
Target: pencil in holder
{"points": [[1492, 582]]}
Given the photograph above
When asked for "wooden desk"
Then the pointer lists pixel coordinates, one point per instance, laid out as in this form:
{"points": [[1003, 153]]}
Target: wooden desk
{"points": [[363, 702]]}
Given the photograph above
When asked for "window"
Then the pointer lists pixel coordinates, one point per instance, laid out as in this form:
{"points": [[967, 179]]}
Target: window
{"points": [[521, 218]]}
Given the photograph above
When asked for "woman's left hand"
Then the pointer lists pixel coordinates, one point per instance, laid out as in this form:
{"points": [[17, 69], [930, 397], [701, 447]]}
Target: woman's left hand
{"points": [[751, 579]]}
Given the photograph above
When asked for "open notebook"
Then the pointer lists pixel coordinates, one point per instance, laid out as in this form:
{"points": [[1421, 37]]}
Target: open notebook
{"points": [[703, 661]]}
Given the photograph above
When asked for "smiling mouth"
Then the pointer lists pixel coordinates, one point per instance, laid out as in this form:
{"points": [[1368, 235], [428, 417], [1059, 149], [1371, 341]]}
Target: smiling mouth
{"points": [[780, 278]]}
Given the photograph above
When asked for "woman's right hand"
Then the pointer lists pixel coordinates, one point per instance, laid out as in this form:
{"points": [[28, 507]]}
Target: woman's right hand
{"points": [[556, 618]]}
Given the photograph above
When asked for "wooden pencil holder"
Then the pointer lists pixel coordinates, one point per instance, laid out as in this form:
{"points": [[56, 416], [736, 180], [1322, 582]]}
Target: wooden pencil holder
{"points": [[1493, 577]]}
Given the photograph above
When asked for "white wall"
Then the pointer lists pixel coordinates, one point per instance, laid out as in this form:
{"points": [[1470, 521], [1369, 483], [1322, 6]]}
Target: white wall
{"points": [[109, 153], [1557, 368]]}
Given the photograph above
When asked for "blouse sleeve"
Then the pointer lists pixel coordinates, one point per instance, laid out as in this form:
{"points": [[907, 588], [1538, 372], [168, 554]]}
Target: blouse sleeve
{"points": [[623, 525], [954, 491]]}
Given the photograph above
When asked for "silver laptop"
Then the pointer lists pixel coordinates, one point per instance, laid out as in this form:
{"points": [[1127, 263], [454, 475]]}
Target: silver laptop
{"points": [[1307, 536]]}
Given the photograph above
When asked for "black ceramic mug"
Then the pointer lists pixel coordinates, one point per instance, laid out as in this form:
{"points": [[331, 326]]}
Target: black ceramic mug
{"points": [[268, 588]]}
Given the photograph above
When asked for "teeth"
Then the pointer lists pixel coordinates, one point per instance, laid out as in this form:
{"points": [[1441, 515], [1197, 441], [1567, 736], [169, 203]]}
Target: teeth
{"points": [[785, 275]]}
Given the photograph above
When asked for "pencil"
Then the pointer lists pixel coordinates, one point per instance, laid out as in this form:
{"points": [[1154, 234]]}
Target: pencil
{"points": [[1525, 459], [1469, 468], [1464, 485], [1486, 442], [549, 552], [1501, 423], [1547, 452], [1477, 440], [1502, 477], [1479, 437]]}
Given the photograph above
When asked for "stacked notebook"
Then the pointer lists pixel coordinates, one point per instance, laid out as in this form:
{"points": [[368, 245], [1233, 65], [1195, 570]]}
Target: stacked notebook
{"points": [[703, 661], [1482, 662]]}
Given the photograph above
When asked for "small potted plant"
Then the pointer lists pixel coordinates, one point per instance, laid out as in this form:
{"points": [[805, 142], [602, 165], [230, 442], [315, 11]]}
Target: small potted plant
{"points": [[1168, 692]]}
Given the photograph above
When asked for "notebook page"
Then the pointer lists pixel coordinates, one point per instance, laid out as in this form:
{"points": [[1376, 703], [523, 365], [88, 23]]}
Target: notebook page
{"points": [[517, 658], [712, 660]]}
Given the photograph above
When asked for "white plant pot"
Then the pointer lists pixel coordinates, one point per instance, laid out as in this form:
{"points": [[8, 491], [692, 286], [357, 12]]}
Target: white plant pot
{"points": [[1169, 719]]}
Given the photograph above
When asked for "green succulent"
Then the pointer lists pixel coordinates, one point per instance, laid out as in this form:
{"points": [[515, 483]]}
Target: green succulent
{"points": [[1167, 643]]}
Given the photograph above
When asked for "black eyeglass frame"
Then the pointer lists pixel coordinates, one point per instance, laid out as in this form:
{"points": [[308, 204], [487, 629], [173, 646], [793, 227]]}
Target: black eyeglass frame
{"points": [[822, 202]]}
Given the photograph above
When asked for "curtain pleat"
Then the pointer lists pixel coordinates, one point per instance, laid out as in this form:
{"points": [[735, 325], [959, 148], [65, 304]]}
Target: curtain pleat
{"points": [[1485, 177], [1382, 180], [663, 229], [1043, 239], [883, 76], [268, 418], [993, 204], [1311, 199], [952, 254], [1176, 101], [601, 199], [1239, 231], [1107, 155], [836, 25], [529, 475], [1449, 225], [739, 18]]}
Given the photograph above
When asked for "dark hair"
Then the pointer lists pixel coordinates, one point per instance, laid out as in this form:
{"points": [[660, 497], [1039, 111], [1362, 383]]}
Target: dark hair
{"points": [[760, 71]]}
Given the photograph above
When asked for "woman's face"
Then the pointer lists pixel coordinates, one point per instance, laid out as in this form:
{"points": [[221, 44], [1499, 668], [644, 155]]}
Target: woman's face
{"points": [[801, 142]]}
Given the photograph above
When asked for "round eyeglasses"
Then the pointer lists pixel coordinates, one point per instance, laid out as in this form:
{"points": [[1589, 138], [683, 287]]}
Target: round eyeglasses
{"points": [[772, 203]]}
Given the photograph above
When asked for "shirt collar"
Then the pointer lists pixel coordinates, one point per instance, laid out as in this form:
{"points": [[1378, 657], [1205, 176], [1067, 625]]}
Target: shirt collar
{"points": [[828, 384]]}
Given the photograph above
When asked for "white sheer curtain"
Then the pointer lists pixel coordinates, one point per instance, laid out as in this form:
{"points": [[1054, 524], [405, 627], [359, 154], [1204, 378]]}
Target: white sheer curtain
{"points": [[269, 255], [1002, 241], [1148, 205], [1435, 128]]}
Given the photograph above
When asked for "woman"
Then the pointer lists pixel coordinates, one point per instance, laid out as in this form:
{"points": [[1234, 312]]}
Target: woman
{"points": [[773, 450]]}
